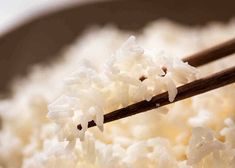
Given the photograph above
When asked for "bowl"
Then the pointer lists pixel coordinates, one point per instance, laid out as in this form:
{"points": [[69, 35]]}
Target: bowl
{"points": [[42, 38]]}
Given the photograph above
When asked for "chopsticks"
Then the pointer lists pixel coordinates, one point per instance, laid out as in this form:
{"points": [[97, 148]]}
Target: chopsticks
{"points": [[211, 54], [196, 87]]}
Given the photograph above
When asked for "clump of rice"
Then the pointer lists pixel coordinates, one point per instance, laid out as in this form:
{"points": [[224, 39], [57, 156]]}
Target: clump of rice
{"points": [[98, 76], [90, 93]]}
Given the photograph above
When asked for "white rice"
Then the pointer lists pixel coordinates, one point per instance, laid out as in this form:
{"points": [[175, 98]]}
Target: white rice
{"points": [[101, 73], [90, 93]]}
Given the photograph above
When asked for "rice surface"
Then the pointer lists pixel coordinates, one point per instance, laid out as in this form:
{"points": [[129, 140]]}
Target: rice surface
{"points": [[107, 69]]}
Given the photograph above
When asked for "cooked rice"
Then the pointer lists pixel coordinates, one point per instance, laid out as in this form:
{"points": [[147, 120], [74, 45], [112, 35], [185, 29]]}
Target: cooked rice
{"points": [[100, 73]]}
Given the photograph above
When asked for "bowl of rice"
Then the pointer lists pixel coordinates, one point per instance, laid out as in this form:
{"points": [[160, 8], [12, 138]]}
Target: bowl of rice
{"points": [[74, 65]]}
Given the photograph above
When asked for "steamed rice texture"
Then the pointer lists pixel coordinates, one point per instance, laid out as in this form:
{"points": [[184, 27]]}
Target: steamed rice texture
{"points": [[103, 71]]}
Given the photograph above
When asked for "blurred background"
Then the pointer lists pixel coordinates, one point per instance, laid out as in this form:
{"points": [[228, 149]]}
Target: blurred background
{"points": [[33, 31], [13, 12]]}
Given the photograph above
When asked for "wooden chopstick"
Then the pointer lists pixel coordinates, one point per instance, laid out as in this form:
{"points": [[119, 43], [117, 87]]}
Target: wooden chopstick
{"points": [[196, 87], [214, 53]]}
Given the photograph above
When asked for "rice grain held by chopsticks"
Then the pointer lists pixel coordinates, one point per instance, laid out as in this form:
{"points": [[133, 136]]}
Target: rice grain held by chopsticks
{"points": [[89, 94], [107, 69]]}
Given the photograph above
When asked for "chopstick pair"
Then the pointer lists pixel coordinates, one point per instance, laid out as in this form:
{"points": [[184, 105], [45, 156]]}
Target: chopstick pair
{"points": [[194, 88]]}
